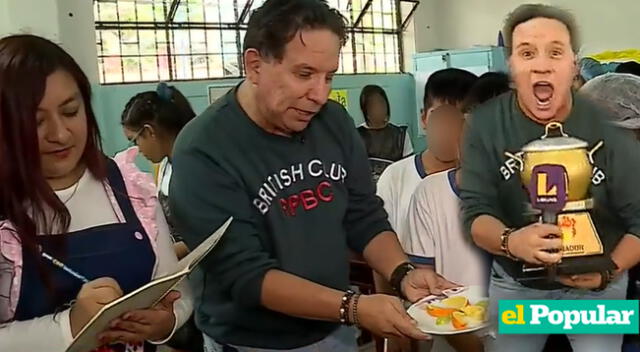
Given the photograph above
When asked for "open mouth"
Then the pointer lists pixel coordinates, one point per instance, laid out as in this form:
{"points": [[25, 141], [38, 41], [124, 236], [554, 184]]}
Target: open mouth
{"points": [[543, 91], [305, 113]]}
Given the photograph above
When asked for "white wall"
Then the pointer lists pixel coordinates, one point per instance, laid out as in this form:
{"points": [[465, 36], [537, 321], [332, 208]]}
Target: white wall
{"points": [[449, 24], [30, 16], [77, 34], [51, 19]]}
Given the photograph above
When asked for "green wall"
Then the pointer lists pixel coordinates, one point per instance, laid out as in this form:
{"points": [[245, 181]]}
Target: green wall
{"points": [[109, 101]]}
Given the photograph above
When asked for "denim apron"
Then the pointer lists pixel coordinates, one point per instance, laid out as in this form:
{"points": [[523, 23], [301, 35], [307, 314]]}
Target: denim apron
{"points": [[121, 251]]}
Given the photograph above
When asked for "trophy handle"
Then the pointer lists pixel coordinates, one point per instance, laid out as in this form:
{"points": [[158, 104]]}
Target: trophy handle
{"points": [[555, 126], [593, 151]]}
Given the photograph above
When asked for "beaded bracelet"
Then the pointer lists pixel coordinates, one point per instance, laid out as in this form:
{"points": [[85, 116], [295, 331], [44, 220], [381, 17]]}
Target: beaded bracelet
{"points": [[504, 243], [344, 307], [356, 298]]}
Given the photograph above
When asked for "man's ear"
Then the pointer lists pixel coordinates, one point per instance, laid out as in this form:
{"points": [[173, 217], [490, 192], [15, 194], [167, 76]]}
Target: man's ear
{"points": [[252, 65]]}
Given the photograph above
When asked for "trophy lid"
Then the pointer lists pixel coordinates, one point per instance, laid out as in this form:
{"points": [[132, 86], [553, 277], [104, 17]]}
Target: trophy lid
{"points": [[551, 143]]}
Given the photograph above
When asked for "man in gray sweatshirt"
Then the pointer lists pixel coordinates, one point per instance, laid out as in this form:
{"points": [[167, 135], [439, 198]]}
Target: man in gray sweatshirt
{"points": [[543, 42], [291, 169]]}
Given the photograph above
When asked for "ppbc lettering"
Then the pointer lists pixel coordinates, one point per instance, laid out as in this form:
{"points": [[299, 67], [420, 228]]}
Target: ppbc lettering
{"points": [[306, 199], [568, 316]]}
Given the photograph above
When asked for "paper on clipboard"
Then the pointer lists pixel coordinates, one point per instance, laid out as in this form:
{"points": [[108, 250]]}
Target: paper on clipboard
{"points": [[144, 297]]}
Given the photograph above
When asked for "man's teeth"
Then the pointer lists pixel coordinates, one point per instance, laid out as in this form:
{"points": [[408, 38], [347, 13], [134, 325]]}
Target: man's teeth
{"points": [[544, 103]]}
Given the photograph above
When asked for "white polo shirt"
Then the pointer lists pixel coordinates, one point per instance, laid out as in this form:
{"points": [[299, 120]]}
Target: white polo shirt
{"points": [[435, 232], [396, 186]]}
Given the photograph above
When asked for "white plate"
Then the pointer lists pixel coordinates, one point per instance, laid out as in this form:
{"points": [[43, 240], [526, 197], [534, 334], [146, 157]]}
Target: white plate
{"points": [[427, 323]]}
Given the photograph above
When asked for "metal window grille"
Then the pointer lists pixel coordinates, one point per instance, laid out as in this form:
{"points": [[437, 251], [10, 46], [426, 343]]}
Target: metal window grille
{"points": [[151, 40]]}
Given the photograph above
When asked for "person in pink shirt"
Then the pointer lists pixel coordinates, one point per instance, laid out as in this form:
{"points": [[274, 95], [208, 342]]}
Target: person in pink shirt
{"points": [[77, 229]]}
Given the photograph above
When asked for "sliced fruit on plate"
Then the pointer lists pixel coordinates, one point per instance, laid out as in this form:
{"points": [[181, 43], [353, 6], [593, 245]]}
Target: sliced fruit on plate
{"points": [[443, 320], [459, 320], [439, 312], [483, 304], [455, 302], [475, 312]]}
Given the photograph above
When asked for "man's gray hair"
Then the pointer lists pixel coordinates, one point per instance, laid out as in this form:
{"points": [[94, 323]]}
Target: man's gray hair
{"points": [[526, 12]]}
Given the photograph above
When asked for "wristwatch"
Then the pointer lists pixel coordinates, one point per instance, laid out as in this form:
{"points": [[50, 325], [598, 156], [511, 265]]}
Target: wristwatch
{"points": [[398, 275]]}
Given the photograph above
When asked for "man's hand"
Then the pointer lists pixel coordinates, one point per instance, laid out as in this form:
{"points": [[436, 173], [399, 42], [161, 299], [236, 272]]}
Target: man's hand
{"points": [[422, 282], [588, 281], [537, 244], [137, 326], [385, 316]]}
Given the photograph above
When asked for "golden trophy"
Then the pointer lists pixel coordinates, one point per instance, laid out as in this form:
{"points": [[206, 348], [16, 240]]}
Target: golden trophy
{"points": [[557, 172]]}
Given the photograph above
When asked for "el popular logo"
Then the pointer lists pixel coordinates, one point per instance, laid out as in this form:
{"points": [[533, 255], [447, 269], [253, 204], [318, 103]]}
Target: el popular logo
{"points": [[568, 316]]}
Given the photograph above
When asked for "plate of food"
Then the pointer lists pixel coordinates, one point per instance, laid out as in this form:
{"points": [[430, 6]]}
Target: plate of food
{"points": [[456, 311]]}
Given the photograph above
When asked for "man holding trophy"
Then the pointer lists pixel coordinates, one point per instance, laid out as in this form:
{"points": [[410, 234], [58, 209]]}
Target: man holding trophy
{"points": [[548, 186]]}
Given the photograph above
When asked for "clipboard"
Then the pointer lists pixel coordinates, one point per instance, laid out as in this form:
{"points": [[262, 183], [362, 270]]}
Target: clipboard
{"points": [[144, 297]]}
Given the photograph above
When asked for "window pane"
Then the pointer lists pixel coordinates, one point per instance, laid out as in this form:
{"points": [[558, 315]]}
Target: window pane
{"points": [[148, 42], [196, 11], [126, 11], [159, 11], [110, 44], [215, 66], [198, 41], [150, 68], [392, 63], [101, 69], [181, 13], [229, 44], [145, 11], [112, 69], [132, 69], [161, 34], [182, 68], [227, 13], [200, 49], [200, 67], [181, 43], [231, 68], [163, 62], [130, 44], [107, 11], [214, 42], [211, 11], [347, 63]]}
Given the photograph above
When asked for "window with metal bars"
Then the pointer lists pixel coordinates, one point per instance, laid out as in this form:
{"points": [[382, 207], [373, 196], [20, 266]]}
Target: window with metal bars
{"points": [[152, 40]]}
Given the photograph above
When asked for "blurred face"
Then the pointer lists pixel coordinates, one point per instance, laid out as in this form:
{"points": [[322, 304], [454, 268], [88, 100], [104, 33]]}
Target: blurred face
{"points": [[377, 110], [148, 142], [426, 113], [62, 128], [444, 131], [543, 66], [291, 91]]}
